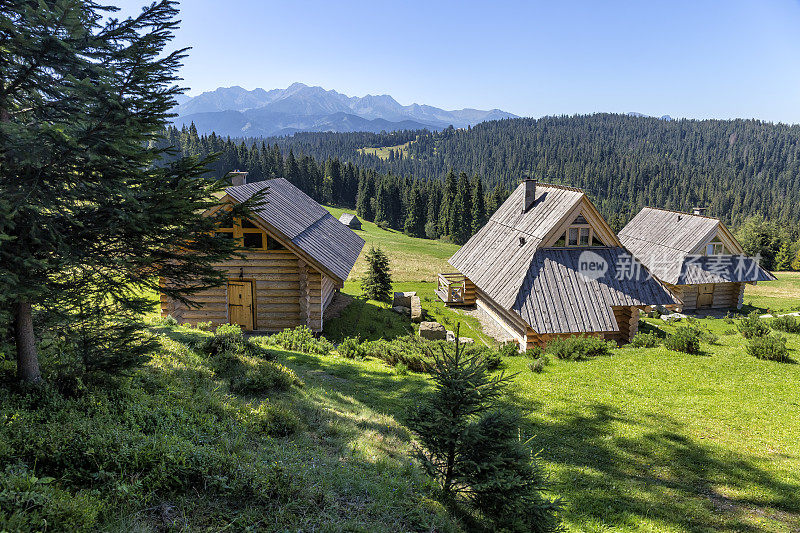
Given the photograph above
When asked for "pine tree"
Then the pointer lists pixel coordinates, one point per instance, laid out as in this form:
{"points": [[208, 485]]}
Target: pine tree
{"points": [[448, 197], [461, 216], [415, 216], [469, 443], [377, 283], [478, 206], [87, 222], [783, 259], [796, 261]]}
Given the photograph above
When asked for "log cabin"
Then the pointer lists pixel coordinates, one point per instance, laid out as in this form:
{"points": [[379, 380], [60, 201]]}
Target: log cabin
{"points": [[350, 220], [547, 265], [296, 257], [694, 255]]}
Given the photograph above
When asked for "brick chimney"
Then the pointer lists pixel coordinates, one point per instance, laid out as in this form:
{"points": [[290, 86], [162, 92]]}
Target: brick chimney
{"points": [[699, 211], [237, 177], [530, 194]]}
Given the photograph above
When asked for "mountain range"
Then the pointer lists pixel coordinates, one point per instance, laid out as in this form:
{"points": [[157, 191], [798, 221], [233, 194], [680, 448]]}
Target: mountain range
{"points": [[237, 112]]}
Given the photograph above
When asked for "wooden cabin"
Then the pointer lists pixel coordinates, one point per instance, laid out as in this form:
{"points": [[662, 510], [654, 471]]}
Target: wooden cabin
{"points": [[548, 265], [695, 256], [297, 255], [350, 220]]}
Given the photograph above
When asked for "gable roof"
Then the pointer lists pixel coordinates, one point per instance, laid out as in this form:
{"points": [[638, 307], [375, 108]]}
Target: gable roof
{"points": [[560, 295], [544, 286], [664, 241], [347, 218], [306, 224]]}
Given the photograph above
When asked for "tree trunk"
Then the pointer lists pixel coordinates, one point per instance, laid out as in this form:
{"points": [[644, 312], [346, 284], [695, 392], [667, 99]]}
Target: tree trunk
{"points": [[27, 358]]}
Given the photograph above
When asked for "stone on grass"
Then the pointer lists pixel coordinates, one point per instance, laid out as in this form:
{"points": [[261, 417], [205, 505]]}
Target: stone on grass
{"points": [[433, 331], [451, 337], [673, 317], [466, 340], [403, 299], [416, 309]]}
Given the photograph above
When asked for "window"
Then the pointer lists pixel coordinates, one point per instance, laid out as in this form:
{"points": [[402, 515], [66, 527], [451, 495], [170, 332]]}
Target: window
{"points": [[272, 244], [253, 240], [580, 233], [573, 237], [584, 236], [248, 225], [716, 248]]}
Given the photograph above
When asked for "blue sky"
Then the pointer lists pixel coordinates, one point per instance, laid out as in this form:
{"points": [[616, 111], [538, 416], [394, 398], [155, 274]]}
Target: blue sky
{"points": [[698, 59]]}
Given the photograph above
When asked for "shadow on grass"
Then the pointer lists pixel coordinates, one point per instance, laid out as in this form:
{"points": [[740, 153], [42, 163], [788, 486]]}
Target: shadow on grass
{"points": [[659, 477], [368, 321]]}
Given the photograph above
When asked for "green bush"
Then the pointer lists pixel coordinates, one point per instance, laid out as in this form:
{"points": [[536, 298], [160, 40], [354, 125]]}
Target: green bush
{"points": [[534, 353], [409, 350], [509, 349], [769, 347], [685, 339], [265, 376], [401, 369], [538, 365], [299, 339], [752, 326], [786, 323], [352, 348], [276, 420], [493, 358], [645, 340], [169, 320], [229, 341], [578, 348]]}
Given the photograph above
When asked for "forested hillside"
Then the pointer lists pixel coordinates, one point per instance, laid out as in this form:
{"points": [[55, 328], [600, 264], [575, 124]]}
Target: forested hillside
{"points": [[736, 168]]}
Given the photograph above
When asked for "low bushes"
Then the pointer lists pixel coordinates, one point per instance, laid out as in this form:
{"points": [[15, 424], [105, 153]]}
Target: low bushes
{"points": [[264, 376], [578, 348], [769, 347], [493, 359], [786, 323], [684, 339], [352, 348], [752, 326], [299, 339], [645, 340], [409, 350]]}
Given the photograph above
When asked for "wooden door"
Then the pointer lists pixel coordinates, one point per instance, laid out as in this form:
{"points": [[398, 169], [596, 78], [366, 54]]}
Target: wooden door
{"points": [[705, 295], [240, 303]]}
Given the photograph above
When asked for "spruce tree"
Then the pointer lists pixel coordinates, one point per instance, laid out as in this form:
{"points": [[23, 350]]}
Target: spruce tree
{"points": [[448, 197], [87, 220], [415, 216], [377, 283], [461, 216], [783, 259], [478, 206], [469, 442]]}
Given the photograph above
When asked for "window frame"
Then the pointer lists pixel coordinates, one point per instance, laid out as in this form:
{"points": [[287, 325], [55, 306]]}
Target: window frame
{"points": [[239, 230]]}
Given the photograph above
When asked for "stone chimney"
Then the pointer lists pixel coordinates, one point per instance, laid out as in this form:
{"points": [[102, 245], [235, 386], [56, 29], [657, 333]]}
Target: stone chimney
{"points": [[699, 211], [238, 178], [530, 194]]}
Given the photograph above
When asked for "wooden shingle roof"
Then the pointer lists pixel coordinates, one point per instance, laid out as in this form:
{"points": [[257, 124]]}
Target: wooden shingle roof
{"points": [[494, 258], [664, 241], [308, 225], [545, 286], [560, 294]]}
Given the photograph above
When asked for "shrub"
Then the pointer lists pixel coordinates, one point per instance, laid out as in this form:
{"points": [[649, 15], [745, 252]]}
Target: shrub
{"points": [[493, 358], [299, 339], [204, 326], [578, 348], [538, 365], [534, 353], [401, 369], [265, 376], [786, 323], [276, 420], [509, 349], [229, 340], [352, 348], [169, 320], [770, 347], [645, 340], [409, 350], [752, 326], [685, 339]]}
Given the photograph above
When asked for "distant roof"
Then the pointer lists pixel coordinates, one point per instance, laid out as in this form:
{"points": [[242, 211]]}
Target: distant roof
{"points": [[305, 223], [493, 258], [663, 241], [544, 286], [559, 294], [346, 218]]}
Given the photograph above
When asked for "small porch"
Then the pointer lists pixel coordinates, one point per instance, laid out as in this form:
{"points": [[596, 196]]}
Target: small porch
{"points": [[453, 288]]}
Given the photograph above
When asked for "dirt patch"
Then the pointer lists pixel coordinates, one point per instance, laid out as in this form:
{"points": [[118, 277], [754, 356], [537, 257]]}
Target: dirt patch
{"points": [[335, 308]]}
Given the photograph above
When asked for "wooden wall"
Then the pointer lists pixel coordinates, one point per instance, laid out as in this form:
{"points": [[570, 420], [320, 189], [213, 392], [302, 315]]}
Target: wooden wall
{"points": [[726, 295], [288, 293], [470, 292]]}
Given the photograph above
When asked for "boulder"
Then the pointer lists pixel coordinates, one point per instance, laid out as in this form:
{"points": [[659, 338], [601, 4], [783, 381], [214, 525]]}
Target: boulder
{"points": [[466, 340], [416, 309], [433, 331], [451, 337], [403, 299], [674, 317]]}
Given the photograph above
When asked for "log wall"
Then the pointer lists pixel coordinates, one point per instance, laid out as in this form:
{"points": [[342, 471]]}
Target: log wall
{"points": [[288, 293], [726, 295]]}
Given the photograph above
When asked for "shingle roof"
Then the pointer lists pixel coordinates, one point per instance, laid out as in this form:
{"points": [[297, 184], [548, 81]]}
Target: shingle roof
{"points": [[305, 223], [544, 285], [663, 241], [562, 293], [347, 218], [493, 258]]}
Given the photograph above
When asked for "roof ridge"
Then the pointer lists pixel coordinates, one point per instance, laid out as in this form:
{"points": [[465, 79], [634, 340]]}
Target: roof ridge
{"points": [[682, 213], [556, 186]]}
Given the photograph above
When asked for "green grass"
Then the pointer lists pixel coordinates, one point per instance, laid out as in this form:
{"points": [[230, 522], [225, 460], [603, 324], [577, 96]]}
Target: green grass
{"points": [[411, 259], [781, 295], [383, 151]]}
